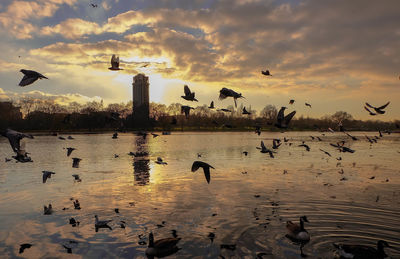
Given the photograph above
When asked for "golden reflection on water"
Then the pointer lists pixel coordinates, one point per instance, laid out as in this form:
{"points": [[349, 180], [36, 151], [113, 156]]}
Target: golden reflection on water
{"points": [[237, 207]]}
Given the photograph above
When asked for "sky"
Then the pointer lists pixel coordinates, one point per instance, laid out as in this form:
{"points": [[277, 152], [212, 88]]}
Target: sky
{"points": [[335, 55]]}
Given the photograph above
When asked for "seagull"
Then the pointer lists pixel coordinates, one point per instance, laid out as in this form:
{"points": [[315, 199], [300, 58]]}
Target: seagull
{"points": [[206, 168], [362, 251], [275, 144], [75, 162], [211, 105], [70, 137], [23, 247], [62, 138], [291, 101], [282, 121], [224, 110], [325, 152], [115, 135], [186, 109], [306, 146], [160, 161], [101, 223], [47, 210], [258, 130], [69, 150], [225, 92], [352, 137], [93, 5], [245, 111], [307, 104], [30, 77], [69, 249], [189, 96], [115, 63], [266, 73], [76, 177], [14, 137], [245, 153], [370, 112], [47, 174], [264, 149], [378, 109]]}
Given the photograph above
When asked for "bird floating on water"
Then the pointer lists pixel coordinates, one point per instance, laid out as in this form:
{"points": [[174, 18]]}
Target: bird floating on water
{"points": [[47, 210], [297, 232], [75, 162], [362, 251], [101, 223], [30, 77], [206, 168], [162, 247], [23, 247]]}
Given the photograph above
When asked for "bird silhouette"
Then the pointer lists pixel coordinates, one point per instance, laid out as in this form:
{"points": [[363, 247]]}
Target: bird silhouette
{"points": [[46, 175], [307, 104], [225, 92], [30, 77], [186, 109], [266, 73], [189, 96], [245, 112], [378, 110], [206, 168], [115, 63], [211, 105], [282, 121]]}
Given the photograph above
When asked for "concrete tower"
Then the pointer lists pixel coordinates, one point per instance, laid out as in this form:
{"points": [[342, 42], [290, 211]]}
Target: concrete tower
{"points": [[140, 87]]}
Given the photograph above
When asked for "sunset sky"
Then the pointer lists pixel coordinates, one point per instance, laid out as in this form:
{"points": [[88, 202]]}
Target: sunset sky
{"points": [[335, 55]]}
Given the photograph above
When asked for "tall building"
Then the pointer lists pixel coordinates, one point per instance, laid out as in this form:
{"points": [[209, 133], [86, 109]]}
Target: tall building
{"points": [[140, 89]]}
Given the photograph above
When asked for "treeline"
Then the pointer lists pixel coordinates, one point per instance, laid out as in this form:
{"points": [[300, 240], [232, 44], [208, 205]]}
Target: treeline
{"points": [[46, 115]]}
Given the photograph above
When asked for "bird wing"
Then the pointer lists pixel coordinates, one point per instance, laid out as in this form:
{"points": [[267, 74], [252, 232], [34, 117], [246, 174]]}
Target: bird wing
{"points": [[289, 117], [369, 105], [292, 227], [262, 145], [206, 170], [187, 90], [27, 80], [383, 106], [369, 110], [280, 116]]}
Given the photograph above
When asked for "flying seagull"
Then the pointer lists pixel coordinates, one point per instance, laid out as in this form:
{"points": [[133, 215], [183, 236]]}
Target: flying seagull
{"points": [[305, 145], [264, 149], [276, 143], [69, 150], [93, 5], [75, 162], [47, 174], [245, 111], [266, 73], [377, 109], [23, 247], [14, 137], [211, 105], [30, 77], [307, 104], [282, 121], [206, 168], [186, 109], [225, 92], [370, 112], [115, 63], [76, 178], [291, 101], [325, 152], [189, 96], [160, 161]]}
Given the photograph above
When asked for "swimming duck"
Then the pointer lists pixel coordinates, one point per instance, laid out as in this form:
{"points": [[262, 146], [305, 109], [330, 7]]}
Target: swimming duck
{"points": [[162, 247], [297, 232], [361, 251], [47, 210]]}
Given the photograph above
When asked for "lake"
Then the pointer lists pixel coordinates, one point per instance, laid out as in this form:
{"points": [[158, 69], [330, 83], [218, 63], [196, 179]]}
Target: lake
{"points": [[247, 203]]}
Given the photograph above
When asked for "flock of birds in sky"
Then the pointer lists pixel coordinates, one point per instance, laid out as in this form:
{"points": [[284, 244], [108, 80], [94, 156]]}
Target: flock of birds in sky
{"points": [[162, 247]]}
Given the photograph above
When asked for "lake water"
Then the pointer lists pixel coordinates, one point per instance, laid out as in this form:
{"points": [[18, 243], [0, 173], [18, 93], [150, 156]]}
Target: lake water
{"points": [[247, 202]]}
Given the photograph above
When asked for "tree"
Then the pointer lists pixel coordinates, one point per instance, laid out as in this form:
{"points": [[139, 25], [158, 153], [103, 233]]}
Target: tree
{"points": [[341, 116], [269, 112]]}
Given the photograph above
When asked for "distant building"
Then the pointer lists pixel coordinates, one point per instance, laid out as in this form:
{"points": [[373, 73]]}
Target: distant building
{"points": [[140, 89]]}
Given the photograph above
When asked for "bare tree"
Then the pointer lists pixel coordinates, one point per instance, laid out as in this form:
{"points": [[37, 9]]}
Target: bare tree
{"points": [[269, 112]]}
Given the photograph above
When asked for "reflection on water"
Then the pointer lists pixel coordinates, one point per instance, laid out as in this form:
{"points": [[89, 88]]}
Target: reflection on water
{"points": [[242, 213]]}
